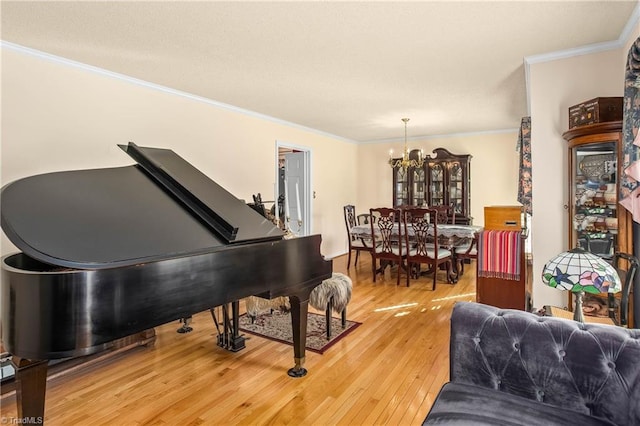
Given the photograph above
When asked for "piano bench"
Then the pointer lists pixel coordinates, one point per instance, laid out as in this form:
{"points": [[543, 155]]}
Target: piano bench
{"points": [[333, 294]]}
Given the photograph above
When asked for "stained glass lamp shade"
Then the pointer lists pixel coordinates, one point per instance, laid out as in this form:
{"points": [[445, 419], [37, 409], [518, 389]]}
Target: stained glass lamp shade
{"points": [[581, 272]]}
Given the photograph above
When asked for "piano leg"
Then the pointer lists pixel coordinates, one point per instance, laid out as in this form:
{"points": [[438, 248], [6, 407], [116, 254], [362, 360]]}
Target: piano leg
{"points": [[299, 313], [186, 328], [31, 386]]}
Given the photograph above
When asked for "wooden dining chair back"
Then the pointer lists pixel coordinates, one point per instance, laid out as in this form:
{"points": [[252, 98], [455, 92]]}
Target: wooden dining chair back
{"points": [[364, 218], [421, 232], [618, 310], [446, 214], [388, 240], [356, 243]]}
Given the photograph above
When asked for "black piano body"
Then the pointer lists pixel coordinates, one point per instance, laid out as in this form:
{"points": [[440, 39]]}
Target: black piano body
{"points": [[107, 253]]}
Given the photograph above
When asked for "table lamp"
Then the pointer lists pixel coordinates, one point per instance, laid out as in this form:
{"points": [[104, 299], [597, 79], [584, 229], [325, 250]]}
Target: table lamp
{"points": [[580, 271]]}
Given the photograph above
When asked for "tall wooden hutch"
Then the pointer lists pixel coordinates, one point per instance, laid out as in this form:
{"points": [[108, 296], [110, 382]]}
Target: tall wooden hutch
{"points": [[597, 222], [443, 180]]}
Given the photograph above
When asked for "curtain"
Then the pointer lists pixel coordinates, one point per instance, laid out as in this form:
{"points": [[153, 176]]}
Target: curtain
{"points": [[524, 147], [629, 181]]}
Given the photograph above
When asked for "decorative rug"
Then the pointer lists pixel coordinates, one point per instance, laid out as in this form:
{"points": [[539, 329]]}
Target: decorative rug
{"points": [[277, 326]]}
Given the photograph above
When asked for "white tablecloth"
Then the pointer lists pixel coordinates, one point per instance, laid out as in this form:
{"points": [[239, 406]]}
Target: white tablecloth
{"points": [[444, 230]]}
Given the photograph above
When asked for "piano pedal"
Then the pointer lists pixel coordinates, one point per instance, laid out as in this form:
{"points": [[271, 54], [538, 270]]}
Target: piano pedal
{"points": [[185, 326], [230, 343], [229, 337]]}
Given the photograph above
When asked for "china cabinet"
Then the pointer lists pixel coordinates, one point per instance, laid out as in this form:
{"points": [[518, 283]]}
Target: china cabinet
{"points": [[443, 180], [597, 222]]}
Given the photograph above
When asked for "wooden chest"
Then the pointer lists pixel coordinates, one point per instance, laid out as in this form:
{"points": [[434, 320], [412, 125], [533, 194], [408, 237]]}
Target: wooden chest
{"points": [[597, 110], [503, 218]]}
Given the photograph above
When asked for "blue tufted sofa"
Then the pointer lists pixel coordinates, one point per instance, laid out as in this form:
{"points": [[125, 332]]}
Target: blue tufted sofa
{"points": [[511, 367]]}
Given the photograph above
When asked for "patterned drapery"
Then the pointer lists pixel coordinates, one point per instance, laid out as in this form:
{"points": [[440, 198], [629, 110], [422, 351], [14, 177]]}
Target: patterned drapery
{"points": [[524, 146], [629, 181]]}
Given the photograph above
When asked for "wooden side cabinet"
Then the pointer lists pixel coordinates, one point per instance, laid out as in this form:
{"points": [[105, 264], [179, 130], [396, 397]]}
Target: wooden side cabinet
{"points": [[502, 292], [509, 294], [443, 180]]}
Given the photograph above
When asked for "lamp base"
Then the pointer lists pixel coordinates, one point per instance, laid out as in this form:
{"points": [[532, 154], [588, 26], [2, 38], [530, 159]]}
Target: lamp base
{"points": [[578, 315]]}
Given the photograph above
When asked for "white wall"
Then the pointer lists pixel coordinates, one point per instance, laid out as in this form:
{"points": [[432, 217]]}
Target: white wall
{"points": [[556, 85], [56, 116]]}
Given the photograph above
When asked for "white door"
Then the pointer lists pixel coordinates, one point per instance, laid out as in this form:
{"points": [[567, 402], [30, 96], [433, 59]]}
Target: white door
{"points": [[295, 193]]}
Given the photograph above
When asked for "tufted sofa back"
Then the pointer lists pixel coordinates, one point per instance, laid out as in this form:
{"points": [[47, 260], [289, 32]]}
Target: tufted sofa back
{"points": [[588, 368]]}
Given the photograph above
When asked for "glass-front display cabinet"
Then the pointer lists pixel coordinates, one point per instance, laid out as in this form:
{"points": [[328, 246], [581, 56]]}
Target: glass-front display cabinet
{"points": [[449, 183], [443, 180], [400, 186], [418, 182], [409, 184], [436, 184], [597, 223]]}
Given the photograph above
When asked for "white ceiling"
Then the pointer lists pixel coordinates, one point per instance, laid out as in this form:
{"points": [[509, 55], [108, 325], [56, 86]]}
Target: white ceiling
{"points": [[350, 69]]}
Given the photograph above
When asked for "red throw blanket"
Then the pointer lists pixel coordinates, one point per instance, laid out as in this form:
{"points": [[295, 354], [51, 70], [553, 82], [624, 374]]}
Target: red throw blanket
{"points": [[499, 254]]}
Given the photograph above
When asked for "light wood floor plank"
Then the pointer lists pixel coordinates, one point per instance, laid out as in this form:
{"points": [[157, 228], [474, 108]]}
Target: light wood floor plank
{"points": [[386, 372]]}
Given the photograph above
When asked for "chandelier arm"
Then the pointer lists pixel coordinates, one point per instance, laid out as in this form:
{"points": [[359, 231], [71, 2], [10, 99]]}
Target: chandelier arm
{"points": [[405, 162]]}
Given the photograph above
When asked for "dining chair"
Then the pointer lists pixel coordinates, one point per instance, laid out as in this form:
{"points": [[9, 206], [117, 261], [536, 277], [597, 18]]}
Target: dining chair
{"points": [[446, 214], [364, 218], [356, 243], [425, 246], [387, 236], [618, 311], [463, 252]]}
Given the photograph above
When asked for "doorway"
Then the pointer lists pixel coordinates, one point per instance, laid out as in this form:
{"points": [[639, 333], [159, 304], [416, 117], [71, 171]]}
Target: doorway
{"points": [[293, 188]]}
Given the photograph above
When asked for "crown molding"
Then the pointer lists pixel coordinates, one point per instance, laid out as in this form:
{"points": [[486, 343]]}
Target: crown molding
{"points": [[100, 71], [442, 136], [625, 35]]}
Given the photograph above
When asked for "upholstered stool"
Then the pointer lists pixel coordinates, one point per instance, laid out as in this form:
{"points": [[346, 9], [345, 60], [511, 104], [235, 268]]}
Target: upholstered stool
{"points": [[332, 294]]}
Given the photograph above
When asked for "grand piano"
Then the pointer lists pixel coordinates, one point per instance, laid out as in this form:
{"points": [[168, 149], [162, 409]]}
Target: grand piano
{"points": [[107, 253]]}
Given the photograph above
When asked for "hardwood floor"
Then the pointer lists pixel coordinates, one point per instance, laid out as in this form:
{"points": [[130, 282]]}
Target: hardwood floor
{"points": [[386, 372]]}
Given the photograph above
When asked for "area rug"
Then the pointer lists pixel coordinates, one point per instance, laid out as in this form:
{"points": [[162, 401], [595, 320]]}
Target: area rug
{"points": [[277, 326]]}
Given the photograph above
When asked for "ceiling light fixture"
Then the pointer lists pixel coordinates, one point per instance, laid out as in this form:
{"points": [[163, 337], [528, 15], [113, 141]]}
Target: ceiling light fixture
{"points": [[406, 161]]}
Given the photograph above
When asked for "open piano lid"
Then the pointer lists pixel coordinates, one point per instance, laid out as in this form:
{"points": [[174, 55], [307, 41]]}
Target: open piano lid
{"points": [[163, 207]]}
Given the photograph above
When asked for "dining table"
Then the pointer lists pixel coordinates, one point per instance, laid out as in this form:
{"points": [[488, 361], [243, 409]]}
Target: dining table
{"points": [[450, 236], [445, 230]]}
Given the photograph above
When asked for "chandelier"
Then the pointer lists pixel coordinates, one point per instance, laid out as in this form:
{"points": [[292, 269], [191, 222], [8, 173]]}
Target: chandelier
{"points": [[405, 162]]}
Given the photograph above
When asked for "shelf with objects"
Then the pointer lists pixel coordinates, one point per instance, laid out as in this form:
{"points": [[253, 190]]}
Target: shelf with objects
{"points": [[597, 223], [443, 180], [409, 183], [449, 182]]}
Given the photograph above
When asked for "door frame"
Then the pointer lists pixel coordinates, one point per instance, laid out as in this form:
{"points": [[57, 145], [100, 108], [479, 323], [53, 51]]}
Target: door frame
{"points": [[307, 224]]}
